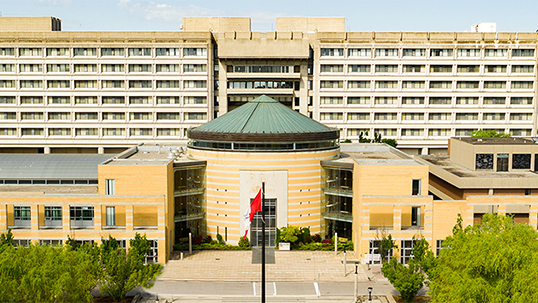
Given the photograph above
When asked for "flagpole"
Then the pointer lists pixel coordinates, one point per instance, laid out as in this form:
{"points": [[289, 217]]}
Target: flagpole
{"points": [[263, 242]]}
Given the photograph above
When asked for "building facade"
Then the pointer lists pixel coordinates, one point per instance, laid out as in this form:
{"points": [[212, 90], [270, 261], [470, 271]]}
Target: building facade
{"points": [[104, 91]]}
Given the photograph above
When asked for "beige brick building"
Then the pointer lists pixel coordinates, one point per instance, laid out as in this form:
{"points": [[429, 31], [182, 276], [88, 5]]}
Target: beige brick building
{"points": [[100, 92]]}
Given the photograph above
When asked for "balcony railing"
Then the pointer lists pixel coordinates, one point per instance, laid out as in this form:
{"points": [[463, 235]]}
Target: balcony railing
{"points": [[338, 215], [344, 191], [184, 191]]}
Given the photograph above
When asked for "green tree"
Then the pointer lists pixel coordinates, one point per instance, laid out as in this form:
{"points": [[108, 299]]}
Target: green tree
{"points": [[123, 272], [290, 234], [423, 255], [385, 245], [6, 240], [481, 133], [46, 274], [377, 139], [496, 261], [408, 280]]}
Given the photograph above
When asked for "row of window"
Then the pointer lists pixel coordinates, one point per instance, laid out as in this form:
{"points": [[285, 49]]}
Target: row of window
{"points": [[187, 100], [367, 100], [407, 68], [430, 84], [103, 51], [88, 116], [104, 68], [519, 161], [429, 117], [432, 52], [104, 84], [432, 132], [105, 132]]}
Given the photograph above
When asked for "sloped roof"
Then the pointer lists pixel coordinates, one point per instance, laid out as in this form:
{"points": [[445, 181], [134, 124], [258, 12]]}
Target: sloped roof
{"points": [[50, 166], [263, 119]]}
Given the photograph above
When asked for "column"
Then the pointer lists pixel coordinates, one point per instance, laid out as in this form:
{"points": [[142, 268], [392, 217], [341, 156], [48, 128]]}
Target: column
{"points": [[66, 217], [97, 221], [397, 218], [34, 217], [424, 151], [100, 150], [46, 150], [533, 216], [129, 217], [3, 217]]}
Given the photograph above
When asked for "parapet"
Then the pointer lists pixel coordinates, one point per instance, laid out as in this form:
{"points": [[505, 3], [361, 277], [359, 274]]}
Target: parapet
{"points": [[30, 24], [311, 24], [216, 24]]}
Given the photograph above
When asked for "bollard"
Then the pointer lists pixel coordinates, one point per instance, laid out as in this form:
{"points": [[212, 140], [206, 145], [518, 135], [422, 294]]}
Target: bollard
{"points": [[190, 243]]}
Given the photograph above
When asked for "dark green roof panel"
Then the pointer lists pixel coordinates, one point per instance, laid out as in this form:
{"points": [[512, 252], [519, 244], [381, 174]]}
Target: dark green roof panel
{"points": [[263, 115]]}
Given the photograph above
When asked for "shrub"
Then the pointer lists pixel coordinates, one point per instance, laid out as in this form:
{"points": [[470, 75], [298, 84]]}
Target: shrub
{"points": [[316, 238], [290, 234], [207, 239], [327, 241], [220, 239], [244, 242], [308, 239], [197, 240]]}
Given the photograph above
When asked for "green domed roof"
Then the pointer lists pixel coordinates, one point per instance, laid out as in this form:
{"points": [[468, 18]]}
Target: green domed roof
{"points": [[263, 119]]}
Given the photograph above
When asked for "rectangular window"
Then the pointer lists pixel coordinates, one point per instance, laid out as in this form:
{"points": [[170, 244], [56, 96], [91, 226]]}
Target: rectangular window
{"points": [[83, 132], [358, 116], [358, 68], [140, 84], [386, 52], [440, 100], [413, 116], [521, 100], [413, 84], [466, 116], [386, 84], [113, 132], [412, 132], [139, 51], [358, 84], [57, 83], [467, 84], [110, 216], [140, 132], [31, 116], [167, 116], [166, 132], [496, 52], [167, 83], [7, 51], [331, 84], [439, 132], [118, 52], [332, 52], [58, 68], [141, 116], [468, 68], [331, 68], [194, 84], [194, 68], [31, 131], [413, 68], [466, 100], [523, 69], [22, 216], [406, 251], [440, 68], [8, 115], [465, 132], [4, 68], [59, 116], [81, 216], [415, 188], [521, 132], [523, 53], [140, 100], [174, 100], [522, 84], [85, 68], [331, 100], [8, 131], [386, 132], [195, 116], [414, 52], [441, 84], [110, 187], [496, 68], [50, 242], [355, 132], [140, 68], [113, 100], [29, 83], [112, 83], [359, 52], [441, 52], [86, 116], [56, 52], [494, 100], [412, 100], [386, 100], [484, 161], [494, 84], [385, 116], [33, 52], [521, 116], [30, 68], [85, 52], [331, 116], [53, 216], [358, 100], [468, 52], [59, 131], [85, 83], [386, 68], [167, 52], [167, 68], [521, 161], [187, 52], [112, 68], [440, 116]]}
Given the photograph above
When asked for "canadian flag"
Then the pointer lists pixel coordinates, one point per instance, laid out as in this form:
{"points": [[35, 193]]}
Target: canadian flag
{"points": [[255, 207]]}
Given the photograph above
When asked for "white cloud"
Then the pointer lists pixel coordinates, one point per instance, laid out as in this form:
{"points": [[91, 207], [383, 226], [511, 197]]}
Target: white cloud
{"points": [[55, 2], [168, 13]]}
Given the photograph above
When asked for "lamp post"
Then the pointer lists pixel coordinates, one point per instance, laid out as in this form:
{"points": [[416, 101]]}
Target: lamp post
{"points": [[356, 281], [345, 260], [370, 293]]}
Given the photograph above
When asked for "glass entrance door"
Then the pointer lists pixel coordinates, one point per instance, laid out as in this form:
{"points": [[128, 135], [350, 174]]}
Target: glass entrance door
{"points": [[270, 225], [502, 162]]}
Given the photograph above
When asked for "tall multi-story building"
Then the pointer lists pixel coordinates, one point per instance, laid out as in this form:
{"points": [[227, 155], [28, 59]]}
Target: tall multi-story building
{"points": [[103, 91]]}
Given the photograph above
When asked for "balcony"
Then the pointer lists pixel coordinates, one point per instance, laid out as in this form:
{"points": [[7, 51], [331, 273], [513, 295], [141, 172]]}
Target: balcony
{"points": [[187, 191], [338, 215], [344, 191]]}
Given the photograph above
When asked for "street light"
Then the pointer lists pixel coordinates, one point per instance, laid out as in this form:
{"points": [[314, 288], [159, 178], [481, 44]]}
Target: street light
{"points": [[370, 293]]}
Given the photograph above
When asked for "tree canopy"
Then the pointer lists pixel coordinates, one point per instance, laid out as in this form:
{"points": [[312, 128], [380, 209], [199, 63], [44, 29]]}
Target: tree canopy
{"points": [[481, 133], [496, 261]]}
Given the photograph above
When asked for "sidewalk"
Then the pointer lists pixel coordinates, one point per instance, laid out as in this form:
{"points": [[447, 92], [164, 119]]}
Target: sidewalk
{"points": [[236, 266]]}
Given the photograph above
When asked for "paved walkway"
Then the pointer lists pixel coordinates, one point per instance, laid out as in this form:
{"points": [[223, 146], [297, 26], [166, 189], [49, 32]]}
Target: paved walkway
{"points": [[236, 266]]}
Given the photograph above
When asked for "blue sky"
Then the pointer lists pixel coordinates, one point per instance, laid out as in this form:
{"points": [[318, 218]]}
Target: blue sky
{"points": [[361, 15]]}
